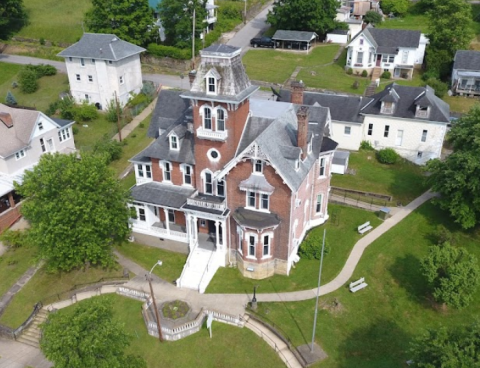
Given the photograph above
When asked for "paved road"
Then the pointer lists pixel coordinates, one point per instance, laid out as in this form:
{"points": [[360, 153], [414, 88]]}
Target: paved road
{"points": [[252, 29]]}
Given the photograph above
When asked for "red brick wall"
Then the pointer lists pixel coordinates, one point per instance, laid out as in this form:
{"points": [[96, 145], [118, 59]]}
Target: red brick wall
{"points": [[180, 218], [176, 173], [8, 217]]}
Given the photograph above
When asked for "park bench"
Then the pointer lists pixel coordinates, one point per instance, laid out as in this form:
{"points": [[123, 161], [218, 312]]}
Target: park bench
{"points": [[357, 285], [364, 227]]}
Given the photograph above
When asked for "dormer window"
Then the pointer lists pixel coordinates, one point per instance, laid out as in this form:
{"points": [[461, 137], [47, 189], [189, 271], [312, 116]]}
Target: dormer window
{"points": [[174, 142], [422, 112], [212, 85], [207, 118], [387, 107], [258, 166]]}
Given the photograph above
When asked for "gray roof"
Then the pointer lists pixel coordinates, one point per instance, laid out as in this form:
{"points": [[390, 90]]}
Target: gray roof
{"points": [[62, 123], [389, 40], [219, 48], [255, 219], [342, 107], [169, 109], [408, 99], [256, 182], [18, 136], [467, 60], [161, 194], [340, 157], [101, 46], [294, 36]]}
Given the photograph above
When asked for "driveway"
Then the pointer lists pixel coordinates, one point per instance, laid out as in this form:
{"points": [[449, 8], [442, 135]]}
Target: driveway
{"points": [[252, 29]]}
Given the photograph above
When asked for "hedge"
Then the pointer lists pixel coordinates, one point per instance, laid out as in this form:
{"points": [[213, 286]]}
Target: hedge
{"points": [[169, 51]]}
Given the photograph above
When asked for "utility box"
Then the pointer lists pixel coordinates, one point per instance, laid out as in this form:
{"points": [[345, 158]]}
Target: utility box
{"points": [[384, 213]]}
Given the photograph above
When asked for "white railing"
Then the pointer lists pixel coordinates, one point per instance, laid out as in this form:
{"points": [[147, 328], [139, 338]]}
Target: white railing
{"points": [[169, 233], [212, 134], [132, 293], [206, 204], [208, 273], [187, 264]]}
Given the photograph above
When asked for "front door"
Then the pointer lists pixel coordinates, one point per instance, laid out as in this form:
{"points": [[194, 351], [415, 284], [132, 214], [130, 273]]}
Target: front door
{"points": [[379, 60], [399, 139]]}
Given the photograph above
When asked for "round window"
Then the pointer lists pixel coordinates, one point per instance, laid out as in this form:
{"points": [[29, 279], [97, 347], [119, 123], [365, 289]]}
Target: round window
{"points": [[213, 154]]}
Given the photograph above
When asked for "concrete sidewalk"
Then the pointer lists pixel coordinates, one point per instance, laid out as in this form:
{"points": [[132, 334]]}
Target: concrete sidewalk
{"points": [[17, 355], [127, 129]]}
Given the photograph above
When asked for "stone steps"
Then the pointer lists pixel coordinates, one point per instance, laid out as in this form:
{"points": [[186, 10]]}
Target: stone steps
{"points": [[31, 336]]}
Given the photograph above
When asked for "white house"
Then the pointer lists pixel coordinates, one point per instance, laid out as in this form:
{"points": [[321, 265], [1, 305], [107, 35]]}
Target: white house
{"points": [[101, 68], [466, 73], [411, 120], [25, 135], [393, 50]]}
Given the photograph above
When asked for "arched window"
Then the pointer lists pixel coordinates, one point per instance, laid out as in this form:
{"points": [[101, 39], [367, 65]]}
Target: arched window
{"points": [[207, 118], [220, 120]]}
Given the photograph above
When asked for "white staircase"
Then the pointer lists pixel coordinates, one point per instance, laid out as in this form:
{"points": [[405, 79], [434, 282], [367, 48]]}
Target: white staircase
{"points": [[199, 269]]}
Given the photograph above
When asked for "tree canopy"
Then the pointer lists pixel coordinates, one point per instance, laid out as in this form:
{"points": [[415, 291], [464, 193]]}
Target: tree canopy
{"points": [[13, 17], [131, 20], [372, 17], [87, 338], [450, 29], [76, 208], [177, 20], [304, 15], [397, 7], [457, 178], [452, 273], [448, 348]]}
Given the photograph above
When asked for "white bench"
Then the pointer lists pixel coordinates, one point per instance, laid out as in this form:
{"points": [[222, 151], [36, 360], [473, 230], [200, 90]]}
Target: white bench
{"points": [[357, 285], [364, 227]]}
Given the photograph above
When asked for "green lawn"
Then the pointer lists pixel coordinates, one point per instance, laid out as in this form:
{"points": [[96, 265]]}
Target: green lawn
{"points": [[146, 257], [414, 22], [13, 264], [460, 104], [45, 287], [341, 237], [229, 346], [281, 63], [48, 91], [404, 181], [90, 132], [373, 328], [58, 21]]}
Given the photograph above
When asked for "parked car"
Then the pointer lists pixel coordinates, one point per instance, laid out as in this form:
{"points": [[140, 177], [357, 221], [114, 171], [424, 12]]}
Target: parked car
{"points": [[262, 42]]}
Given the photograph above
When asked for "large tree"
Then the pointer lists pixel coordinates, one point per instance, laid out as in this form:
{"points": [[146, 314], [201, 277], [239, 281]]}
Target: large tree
{"points": [[452, 274], [304, 15], [131, 20], [13, 16], [87, 338], [450, 29], [448, 348], [177, 20], [76, 208], [397, 7], [457, 178]]}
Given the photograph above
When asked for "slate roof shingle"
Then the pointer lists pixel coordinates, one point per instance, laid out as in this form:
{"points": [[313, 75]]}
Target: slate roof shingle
{"points": [[467, 60], [162, 194]]}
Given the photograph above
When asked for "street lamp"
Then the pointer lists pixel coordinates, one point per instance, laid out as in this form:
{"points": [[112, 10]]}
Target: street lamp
{"points": [[245, 13], [149, 277], [254, 299]]}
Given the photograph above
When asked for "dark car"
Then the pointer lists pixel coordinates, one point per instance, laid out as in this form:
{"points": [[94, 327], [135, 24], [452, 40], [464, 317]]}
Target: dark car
{"points": [[262, 42]]}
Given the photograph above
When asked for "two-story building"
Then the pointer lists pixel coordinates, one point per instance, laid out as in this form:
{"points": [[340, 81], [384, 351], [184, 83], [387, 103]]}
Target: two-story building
{"points": [[379, 50], [102, 69], [238, 180], [25, 135], [466, 73]]}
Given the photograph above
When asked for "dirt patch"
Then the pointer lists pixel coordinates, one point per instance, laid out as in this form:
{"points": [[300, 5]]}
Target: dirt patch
{"points": [[333, 306]]}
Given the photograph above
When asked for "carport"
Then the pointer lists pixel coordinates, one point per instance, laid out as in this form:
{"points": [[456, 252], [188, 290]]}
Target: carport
{"points": [[294, 40]]}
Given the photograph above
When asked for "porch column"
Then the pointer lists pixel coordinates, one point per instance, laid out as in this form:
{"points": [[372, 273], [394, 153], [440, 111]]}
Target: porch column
{"points": [[224, 231], [194, 228], [10, 200], [217, 236], [167, 223], [189, 226]]}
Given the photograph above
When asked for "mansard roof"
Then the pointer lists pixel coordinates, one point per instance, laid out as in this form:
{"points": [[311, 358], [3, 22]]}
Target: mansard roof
{"points": [[169, 109]]}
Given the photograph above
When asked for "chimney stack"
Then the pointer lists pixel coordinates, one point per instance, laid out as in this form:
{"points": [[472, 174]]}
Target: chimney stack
{"points": [[191, 76], [296, 90], [302, 130], [6, 118]]}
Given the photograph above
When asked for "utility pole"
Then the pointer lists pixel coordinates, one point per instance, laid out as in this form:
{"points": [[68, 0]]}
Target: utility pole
{"points": [[149, 277], [118, 118], [193, 37]]}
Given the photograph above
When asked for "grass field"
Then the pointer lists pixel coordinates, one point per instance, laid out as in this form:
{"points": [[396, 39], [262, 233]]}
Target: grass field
{"points": [[373, 328], [48, 91], [45, 286], [460, 104], [229, 346], [13, 264], [57, 21], [146, 257], [341, 237], [414, 22], [403, 180]]}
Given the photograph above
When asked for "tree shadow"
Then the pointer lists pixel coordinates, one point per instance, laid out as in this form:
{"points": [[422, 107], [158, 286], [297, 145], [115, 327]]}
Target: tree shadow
{"points": [[383, 343], [407, 273]]}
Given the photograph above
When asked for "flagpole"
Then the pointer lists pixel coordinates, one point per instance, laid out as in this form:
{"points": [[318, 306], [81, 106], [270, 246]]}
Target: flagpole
{"points": [[318, 291]]}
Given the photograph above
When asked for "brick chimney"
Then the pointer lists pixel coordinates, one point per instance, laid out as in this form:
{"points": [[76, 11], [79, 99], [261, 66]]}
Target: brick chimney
{"points": [[296, 90], [302, 130], [191, 76], [6, 118]]}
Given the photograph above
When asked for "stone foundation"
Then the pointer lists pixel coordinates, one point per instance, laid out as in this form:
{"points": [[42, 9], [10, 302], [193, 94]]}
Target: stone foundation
{"points": [[259, 271]]}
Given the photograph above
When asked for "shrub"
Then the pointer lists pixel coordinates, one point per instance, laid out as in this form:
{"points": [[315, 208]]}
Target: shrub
{"points": [[148, 89], [355, 84], [311, 247], [10, 99], [75, 130], [111, 149], [387, 156], [349, 71], [439, 87], [141, 125], [42, 70], [85, 112], [28, 81], [138, 100], [366, 146], [42, 41], [430, 73], [111, 112], [169, 51], [15, 238], [364, 74], [66, 107], [386, 75], [372, 17]]}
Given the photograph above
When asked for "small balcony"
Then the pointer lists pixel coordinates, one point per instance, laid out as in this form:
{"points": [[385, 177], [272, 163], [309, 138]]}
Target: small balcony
{"points": [[208, 202], [212, 134]]}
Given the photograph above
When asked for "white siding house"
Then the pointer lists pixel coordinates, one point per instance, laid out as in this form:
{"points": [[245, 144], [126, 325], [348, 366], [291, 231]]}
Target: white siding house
{"points": [[466, 73], [392, 50], [102, 67]]}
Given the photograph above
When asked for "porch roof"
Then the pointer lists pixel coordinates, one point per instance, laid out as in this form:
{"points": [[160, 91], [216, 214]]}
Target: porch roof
{"points": [[161, 194], [255, 219]]}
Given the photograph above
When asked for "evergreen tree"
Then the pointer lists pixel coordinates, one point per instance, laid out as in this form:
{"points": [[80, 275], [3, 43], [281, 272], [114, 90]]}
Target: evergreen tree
{"points": [[10, 99]]}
